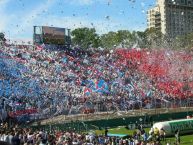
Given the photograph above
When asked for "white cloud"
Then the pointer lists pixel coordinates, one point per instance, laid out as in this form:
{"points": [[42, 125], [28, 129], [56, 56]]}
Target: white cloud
{"points": [[20, 27], [4, 19], [2, 23], [3, 3], [101, 25], [85, 2], [24, 30], [82, 2], [29, 18]]}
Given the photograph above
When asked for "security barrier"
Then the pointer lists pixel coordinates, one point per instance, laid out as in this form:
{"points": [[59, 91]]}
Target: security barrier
{"points": [[81, 126]]}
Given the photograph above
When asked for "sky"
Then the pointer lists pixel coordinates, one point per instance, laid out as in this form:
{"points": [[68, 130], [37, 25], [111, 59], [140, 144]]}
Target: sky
{"points": [[17, 17]]}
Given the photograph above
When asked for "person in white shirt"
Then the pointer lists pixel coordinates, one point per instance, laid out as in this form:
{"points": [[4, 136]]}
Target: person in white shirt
{"points": [[6, 137], [87, 137], [2, 136], [10, 137], [91, 138]]}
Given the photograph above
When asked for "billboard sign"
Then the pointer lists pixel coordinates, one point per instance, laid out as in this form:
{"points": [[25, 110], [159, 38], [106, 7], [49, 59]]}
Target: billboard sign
{"points": [[184, 125], [181, 125]]}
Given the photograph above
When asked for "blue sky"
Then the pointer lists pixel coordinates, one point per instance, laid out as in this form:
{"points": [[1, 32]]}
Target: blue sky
{"points": [[19, 16]]}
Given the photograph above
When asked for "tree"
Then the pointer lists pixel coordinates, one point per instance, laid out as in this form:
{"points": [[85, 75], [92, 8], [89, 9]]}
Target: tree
{"points": [[141, 39], [153, 38], [182, 42], [126, 38], [85, 37], [178, 43], [189, 41], [2, 37], [123, 38], [122, 35], [109, 40]]}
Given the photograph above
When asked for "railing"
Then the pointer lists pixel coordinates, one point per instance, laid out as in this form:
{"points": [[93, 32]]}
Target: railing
{"points": [[114, 115], [110, 119]]}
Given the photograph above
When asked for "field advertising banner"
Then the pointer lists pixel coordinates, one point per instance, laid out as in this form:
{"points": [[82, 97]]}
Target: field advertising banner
{"points": [[181, 125]]}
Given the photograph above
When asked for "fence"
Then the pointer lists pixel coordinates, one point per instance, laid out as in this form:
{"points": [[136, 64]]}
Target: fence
{"points": [[81, 126]]}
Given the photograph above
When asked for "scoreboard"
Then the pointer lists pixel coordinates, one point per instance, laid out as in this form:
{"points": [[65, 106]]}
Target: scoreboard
{"points": [[51, 35]]}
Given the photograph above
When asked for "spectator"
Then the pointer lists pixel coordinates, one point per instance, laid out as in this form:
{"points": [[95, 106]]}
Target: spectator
{"points": [[106, 132], [177, 136], [162, 134], [15, 140], [4, 143]]}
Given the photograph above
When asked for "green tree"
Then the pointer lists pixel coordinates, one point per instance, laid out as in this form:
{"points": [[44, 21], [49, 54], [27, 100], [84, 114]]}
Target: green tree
{"points": [[183, 42], [141, 39], [123, 38], [137, 39], [189, 42], [2, 37], [109, 40], [131, 39], [85, 37], [178, 43], [153, 38]]}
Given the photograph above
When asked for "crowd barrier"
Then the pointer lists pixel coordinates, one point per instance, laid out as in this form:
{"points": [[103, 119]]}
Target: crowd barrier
{"points": [[83, 125]]}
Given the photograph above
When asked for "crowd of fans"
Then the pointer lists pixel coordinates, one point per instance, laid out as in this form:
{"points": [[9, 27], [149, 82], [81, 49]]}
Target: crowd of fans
{"points": [[26, 136], [75, 81]]}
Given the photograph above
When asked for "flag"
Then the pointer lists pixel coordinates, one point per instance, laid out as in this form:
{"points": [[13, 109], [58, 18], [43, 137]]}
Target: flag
{"points": [[40, 47], [101, 86], [87, 91], [96, 82]]}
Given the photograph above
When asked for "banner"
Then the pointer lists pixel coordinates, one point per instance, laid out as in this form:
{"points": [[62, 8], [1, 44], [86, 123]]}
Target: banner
{"points": [[181, 125], [22, 112]]}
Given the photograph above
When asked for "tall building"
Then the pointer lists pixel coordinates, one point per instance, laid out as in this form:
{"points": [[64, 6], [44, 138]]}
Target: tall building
{"points": [[154, 18], [172, 17]]}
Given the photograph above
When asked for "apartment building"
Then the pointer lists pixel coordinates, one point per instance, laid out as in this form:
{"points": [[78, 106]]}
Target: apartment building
{"points": [[171, 17]]}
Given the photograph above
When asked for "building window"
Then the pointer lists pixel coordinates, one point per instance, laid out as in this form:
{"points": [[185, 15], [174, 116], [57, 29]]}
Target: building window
{"points": [[189, 2], [182, 1]]}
